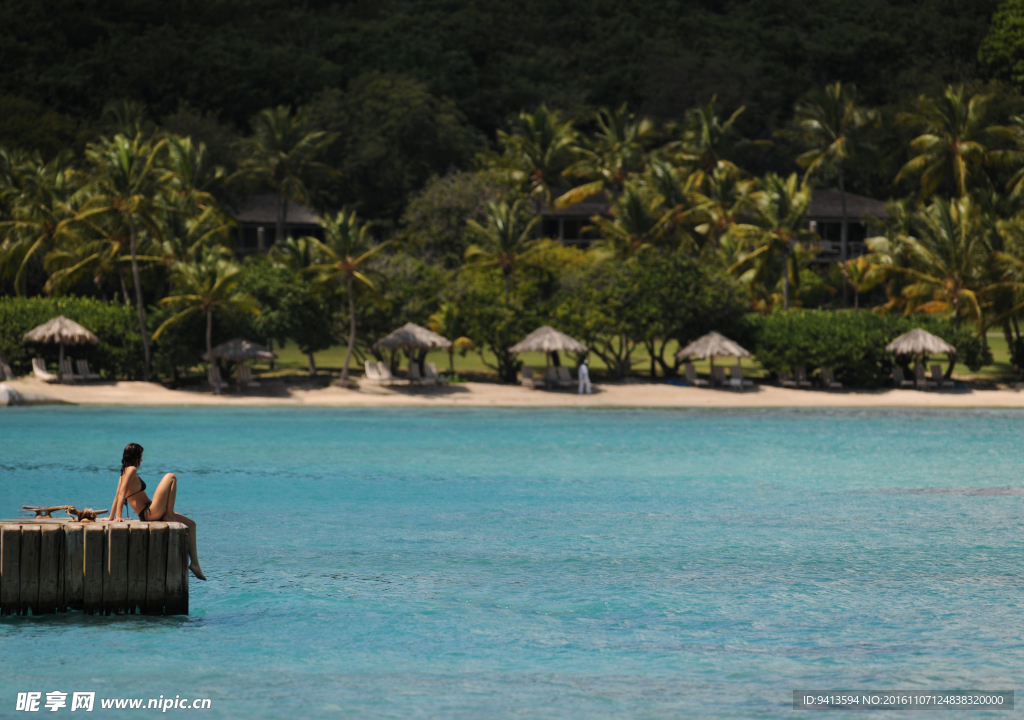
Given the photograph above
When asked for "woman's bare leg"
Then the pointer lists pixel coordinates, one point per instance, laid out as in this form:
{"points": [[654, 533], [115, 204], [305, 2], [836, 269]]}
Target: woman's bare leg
{"points": [[192, 551], [164, 496]]}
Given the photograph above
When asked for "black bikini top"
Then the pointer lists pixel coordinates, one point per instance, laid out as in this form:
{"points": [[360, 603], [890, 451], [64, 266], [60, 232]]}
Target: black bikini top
{"points": [[141, 489]]}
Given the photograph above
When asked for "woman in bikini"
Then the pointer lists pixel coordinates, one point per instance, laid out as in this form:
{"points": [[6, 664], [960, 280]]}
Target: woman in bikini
{"points": [[131, 490]]}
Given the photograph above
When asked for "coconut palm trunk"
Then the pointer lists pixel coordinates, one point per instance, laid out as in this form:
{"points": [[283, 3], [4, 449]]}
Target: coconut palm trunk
{"points": [[282, 216], [843, 229], [138, 298], [351, 329]]}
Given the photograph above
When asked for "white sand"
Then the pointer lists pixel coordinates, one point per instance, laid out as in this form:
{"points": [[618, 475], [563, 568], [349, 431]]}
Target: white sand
{"points": [[277, 392]]}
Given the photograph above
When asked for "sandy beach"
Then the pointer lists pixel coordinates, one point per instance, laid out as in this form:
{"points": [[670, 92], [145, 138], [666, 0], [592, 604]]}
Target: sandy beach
{"points": [[295, 392]]}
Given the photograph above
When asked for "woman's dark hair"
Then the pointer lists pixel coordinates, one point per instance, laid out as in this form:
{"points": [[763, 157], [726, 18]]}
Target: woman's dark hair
{"points": [[132, 456]]}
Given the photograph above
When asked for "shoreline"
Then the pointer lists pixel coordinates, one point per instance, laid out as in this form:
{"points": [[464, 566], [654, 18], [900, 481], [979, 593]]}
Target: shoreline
{"points": [[295, 393]]}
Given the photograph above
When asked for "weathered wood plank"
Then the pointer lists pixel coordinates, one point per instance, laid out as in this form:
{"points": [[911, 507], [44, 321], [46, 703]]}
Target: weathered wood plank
{"points": [[92, 601], [156, 568], [175, 564], [62, 605], [10, 569], [184, 573], [74, 566], [31, 538], [138, 555], [115, 570], [51, 539]]}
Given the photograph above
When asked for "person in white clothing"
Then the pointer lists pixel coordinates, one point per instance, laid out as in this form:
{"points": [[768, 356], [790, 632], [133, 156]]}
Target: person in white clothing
{"points": [[584, 376]]}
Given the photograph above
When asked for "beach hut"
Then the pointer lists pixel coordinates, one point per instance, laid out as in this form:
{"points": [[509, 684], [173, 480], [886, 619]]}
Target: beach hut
{"points": [[919, 342], [549, 341], [241, 351], [711, 346], [62, 331], [412, 337]]}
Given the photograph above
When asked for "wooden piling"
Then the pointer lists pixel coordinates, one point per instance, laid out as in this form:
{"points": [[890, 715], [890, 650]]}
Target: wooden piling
{"points": [[138, 556], [10, 569], [115, 570], [156, 571], [51, 539], [31, 539], [52, 565], [92, 602], [74, 566]]}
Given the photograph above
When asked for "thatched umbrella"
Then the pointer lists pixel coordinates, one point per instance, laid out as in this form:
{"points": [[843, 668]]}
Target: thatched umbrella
{"points": [[62, 331], [919, 341], [711, 346], [547, 340], [412, 337], [240, 350]]}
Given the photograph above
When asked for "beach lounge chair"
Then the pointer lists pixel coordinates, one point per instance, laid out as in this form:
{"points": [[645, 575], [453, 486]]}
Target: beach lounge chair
{"points": [[923, 383], [937, 376], [384, 371], [786, 380], [828, 380], [551, 376], [5, 370], [564, 378], [371, 373], [245, 376], [213, 376], [898, 380], [414, 372], [736, 379], [84, 371], [690, 373], [39, 370], [526, 378], [431, 371], [801, 376], [718, 376], [67, 373]]}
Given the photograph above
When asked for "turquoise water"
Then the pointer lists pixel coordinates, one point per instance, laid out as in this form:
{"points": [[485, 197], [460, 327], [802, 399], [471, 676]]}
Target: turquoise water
{"points": [[541, 563]]}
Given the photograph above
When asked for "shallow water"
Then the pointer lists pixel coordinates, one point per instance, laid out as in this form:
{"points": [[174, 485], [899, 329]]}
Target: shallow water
{"points": [[543, 563]]}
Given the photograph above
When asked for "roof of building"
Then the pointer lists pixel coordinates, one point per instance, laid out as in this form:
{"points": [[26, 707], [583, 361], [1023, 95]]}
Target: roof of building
{"points": [[593, 205], [826, 204], [261, 209]]}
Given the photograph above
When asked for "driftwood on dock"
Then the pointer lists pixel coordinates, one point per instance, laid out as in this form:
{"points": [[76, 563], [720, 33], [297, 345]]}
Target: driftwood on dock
{"points": [[50, 565]]}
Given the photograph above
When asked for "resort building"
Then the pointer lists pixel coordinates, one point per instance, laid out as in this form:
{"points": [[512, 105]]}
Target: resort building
{"points": [[256, 216], [826, 218], [573, 225]]}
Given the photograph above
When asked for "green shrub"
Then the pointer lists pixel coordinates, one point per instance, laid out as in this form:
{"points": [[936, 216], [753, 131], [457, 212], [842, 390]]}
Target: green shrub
{"points": [[853, 343], [118, 355]]}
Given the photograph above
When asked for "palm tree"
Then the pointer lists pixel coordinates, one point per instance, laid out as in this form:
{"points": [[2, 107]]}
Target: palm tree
{"points": [[345, 249], [781, 206], [707, 140], [295, 254], [862, 274], [619, 150], [505, 239], [281, 153], [208, 285], [949, 256], [538, 150], [130, 181], [951, 148], [43, 202], [639, 221], [833, 127], [447, 322]]}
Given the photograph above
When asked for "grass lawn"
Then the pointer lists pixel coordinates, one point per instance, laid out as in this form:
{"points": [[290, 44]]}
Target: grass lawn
{"points": [[291, 361]]}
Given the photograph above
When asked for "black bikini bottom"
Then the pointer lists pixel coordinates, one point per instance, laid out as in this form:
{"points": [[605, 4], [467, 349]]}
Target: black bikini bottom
{"points": [[145, 511]]}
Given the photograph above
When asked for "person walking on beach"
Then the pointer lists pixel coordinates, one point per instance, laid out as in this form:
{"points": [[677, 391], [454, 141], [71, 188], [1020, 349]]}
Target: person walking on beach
{"points": [[584, 376], [131, 490]]}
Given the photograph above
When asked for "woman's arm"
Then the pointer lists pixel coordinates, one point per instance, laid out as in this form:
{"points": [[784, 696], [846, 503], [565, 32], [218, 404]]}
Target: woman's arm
{"points": [[122, 490]]}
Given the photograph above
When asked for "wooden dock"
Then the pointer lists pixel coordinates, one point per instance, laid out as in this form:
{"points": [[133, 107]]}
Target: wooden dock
{"points": [[50, 565]]}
